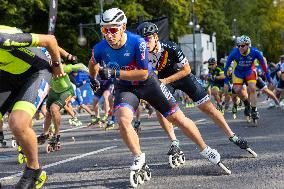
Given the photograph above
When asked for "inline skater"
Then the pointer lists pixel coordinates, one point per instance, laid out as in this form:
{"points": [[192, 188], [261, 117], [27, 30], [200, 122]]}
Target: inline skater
{"points": [[174, 71], [244, 71], [25, 72], [123, 55]]}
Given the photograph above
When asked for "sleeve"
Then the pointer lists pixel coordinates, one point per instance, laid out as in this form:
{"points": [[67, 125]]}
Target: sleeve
{"points": [[228, 63], [261, 61], [96, 55], [181, 58], [9, 41], [69, 68], [142, 54]]}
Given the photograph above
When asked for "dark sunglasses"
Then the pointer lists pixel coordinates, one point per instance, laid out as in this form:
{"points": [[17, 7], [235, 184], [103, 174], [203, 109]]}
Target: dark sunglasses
{"points": [[112, 30], [241, 46]]}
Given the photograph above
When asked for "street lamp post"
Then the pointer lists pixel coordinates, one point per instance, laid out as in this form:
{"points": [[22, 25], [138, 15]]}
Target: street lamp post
{"points": [[195, 26], [235, 33], [82, 40]]}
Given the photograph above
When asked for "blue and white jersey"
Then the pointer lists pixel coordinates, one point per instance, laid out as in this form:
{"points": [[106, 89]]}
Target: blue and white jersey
{"points": [[132, 56], [244, 64]]}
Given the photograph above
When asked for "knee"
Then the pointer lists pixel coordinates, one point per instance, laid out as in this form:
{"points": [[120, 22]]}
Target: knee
{"points": [[124, 122], [176, 118], [54, 109], [16, 125]]}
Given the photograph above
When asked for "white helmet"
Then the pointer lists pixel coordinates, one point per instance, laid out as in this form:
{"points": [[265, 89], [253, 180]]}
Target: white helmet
{"points": [[113, 16], [244, 39]]}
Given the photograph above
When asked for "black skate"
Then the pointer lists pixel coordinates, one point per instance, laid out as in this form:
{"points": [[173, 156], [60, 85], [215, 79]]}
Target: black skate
{"points": [[176, 156], [110, 125], [31, 179], [137, 127], [220, 108], [243, 144], [255, 117], [2, 141], [247, 113], [42, 138], [140, 176], [54, 144]]}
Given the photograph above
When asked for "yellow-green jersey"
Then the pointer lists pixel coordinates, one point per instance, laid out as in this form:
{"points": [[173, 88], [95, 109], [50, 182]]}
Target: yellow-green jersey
{"points": [[18, 51]]}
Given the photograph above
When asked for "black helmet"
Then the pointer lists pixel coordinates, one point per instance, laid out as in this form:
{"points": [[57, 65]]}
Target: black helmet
{"points": [[212, 60], [147, 28]]}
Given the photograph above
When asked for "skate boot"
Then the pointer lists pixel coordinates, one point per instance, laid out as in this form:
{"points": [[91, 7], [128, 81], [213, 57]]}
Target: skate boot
{"points": [[176, 156], [2, 141], [234, 111], [104, 119], [54, 144], [247, 113], [137, 127], [255, 116], [243, 144], [21, 156], [42, 138], [95, 120], [31, 179], [139, 171], [75, 121], [214, 157], [110, 125]]}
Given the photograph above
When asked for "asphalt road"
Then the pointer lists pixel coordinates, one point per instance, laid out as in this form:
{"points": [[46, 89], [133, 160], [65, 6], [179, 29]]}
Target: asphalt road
{"points": [[100, 159]]}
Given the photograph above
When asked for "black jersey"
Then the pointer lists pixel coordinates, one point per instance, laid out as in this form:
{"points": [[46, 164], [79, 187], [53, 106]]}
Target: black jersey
{"points": [[169, 59]]}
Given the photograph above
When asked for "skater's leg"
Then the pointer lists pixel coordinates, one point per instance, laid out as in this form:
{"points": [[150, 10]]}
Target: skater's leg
{"points": [[20, 123], [252, 93], [124, 118], [271, 95], [56, 117], [47, 122], [167, 126], [209, 109], [85, 107], [188, 127]]}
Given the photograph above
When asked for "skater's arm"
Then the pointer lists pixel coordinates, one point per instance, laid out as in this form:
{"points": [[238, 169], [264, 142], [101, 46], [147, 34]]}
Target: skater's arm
{"points": [[185, 70]]}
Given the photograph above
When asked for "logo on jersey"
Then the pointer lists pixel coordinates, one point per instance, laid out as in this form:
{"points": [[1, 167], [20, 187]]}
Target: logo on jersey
{"points": [[113, 65], [162, 64], [142, 48]]}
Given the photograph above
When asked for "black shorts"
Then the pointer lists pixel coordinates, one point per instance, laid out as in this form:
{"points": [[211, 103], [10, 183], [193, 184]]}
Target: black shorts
{"points": [[104, 85], [260, 84], [31, 86], [191, 87], [152, 91], [280, 85]]}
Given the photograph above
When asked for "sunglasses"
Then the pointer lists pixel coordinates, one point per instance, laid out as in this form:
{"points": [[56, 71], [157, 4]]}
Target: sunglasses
{"points": [[148, 38], [242, 46], [112, 30]]}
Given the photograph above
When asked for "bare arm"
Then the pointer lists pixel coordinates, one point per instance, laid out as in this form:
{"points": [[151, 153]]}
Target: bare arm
{"points": [[179, 75], [134, 75]]}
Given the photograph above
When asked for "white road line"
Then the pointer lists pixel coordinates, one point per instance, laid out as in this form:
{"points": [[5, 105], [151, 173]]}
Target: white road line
{"points": [[61, 162], [72, 129]]}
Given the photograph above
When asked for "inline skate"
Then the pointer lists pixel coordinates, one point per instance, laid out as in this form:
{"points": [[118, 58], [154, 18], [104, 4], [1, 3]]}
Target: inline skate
{"points": [[140, 171], [137, 127], [54, 144], [21, 156], [255, 117], [176, 156], [243, 144], [2, 141], [31, 179]]}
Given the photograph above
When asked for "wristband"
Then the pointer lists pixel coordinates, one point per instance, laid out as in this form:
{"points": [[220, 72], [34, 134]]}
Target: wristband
{"points": [[68, 56], [56, 63], [117, 73]]}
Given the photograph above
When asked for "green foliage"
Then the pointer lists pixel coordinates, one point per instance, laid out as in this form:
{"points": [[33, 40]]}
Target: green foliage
{"points": [[259, 19]]}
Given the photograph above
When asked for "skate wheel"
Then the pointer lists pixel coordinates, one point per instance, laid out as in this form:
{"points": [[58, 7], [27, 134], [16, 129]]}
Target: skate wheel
{"points": [[147, 173], [140, 179], [181, 159], [255, 122], [177, 162], [58, 147], [4, 143], [252, 152], [224, 168], [48, 148], [172, 161], [133, 179], [21, 158], [14, 144], [248, 119], [41, 180]]}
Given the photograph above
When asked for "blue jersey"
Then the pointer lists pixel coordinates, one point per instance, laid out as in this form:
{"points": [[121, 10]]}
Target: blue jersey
{"points": [[244, 64], [133, 55]]}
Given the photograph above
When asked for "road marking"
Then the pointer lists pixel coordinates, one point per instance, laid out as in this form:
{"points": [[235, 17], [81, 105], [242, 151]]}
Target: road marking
{"points": [[72, 129], [61, 162]]}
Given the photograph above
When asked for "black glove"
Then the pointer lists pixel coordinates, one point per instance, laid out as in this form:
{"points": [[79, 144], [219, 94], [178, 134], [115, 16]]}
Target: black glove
{"points": [[72, 59], [107, 73], [95, 84]]}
